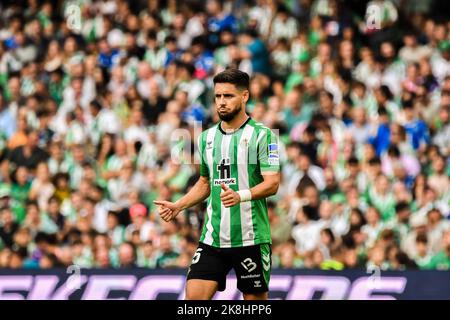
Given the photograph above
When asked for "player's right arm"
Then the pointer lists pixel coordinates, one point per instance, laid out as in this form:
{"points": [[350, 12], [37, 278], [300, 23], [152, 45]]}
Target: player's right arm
{"points": [[198, 193]]}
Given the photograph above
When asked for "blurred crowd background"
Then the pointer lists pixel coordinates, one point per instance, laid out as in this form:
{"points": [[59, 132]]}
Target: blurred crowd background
{"points": [[88, 106]]}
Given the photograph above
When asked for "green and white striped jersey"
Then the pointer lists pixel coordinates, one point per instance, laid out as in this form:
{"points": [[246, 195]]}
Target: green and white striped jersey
{"points": [[238, 160]]}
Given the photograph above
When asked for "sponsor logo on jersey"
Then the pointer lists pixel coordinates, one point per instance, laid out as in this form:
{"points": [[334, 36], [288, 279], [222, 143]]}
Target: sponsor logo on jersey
{"points": [[224, 168], [274, 162], [251, 276], [273, 158], [218, 182], [273, 147]]}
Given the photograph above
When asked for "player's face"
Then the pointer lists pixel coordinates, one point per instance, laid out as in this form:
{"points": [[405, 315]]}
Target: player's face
{"points": [[229, 100]]}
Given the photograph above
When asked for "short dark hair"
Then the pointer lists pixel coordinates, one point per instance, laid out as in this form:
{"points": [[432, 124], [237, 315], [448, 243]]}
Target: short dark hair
{"points": [[386, 91], [31, 203], [234, 76], [423, 238], [394, 151], [96, 104], [133, 247], [382, 112], [375, 161], [54, 198], [353, 161], [310, 129], [407, 104], [189, 67], [403, 205], [309, 211], [251, 32], [170, 38], [327, 93]]}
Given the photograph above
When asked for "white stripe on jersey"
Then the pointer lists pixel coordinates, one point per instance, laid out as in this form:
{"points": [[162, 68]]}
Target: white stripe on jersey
{"points": [[262, 133], [248, 235], [225, 236], [209, 158]]}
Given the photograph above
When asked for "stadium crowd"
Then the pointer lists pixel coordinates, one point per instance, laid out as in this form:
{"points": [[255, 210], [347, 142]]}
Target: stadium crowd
{"points": [[88, 109]]}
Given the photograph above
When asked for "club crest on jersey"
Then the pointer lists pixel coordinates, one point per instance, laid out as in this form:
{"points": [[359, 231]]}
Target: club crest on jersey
{"points": [[244, 142]]}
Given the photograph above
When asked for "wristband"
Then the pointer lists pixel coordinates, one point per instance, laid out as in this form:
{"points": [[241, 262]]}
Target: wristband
{"points": [[245, 195]]}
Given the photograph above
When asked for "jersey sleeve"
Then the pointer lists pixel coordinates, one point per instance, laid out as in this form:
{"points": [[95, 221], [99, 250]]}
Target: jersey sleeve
{"points": [[204, 172], [268, 151]]}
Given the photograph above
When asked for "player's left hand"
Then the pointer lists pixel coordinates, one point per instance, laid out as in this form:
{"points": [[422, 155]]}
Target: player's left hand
{"points": [[229, 197]]}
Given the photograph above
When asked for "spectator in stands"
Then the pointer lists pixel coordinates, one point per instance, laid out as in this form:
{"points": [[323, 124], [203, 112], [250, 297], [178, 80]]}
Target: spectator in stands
{"points": [[87, 119]]}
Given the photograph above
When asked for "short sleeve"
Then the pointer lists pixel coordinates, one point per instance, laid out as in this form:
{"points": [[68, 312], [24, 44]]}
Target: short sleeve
{"points": [[268, 151], [204, 172]]}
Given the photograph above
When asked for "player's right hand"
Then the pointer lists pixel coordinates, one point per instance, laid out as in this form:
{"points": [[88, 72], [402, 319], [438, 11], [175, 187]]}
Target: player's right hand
{"points": [[167, 210], [229, 197]]}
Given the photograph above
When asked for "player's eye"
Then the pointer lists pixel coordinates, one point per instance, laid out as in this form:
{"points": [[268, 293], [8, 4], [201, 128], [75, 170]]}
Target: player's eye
{"points": [[226, 96]]}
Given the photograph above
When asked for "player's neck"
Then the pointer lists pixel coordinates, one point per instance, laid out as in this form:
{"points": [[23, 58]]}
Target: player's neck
{"points": [[234, 124]]}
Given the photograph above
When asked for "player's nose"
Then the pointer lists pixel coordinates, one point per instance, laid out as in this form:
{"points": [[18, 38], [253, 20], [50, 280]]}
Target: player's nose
{"points": [[221, 101]]}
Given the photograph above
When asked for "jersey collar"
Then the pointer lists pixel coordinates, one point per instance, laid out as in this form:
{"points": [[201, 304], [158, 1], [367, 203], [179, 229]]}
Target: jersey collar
{"points": [[243, 125]]}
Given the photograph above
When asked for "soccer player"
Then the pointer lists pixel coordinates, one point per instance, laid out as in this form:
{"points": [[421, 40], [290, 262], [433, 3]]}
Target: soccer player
{"points": [[239, 169]]}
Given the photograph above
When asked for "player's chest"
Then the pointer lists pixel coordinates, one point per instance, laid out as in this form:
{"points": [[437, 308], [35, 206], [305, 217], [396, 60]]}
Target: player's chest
{"points": [[230, 149]]}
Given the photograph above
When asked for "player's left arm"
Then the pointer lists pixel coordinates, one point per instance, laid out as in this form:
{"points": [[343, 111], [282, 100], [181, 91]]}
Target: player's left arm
{"points": [[268, 187]]}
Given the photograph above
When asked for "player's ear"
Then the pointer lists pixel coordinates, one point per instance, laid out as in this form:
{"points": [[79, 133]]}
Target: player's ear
{"points": [[245, 95]]}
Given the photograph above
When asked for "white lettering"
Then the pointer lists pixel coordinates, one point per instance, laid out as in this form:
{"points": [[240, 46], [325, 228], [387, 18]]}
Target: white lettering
{"points": [[230, 293], [362, 290], [280, 283], [334, 288], [65, 291], [99, 286], [194, 310], [43, 287], [18, 283], [149, 287]]}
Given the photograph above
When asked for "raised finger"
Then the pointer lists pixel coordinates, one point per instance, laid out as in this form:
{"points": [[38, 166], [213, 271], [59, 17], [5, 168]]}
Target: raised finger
{"points": [[165, 210], [166, 214]]}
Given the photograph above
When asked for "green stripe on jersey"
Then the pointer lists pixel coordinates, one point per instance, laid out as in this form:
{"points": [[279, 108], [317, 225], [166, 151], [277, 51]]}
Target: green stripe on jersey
{"points": [[206, 153], [215, 190]]}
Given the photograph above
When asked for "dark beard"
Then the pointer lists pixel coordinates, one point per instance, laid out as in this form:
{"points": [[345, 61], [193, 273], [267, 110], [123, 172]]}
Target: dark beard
{"points": [[229, 116]]}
